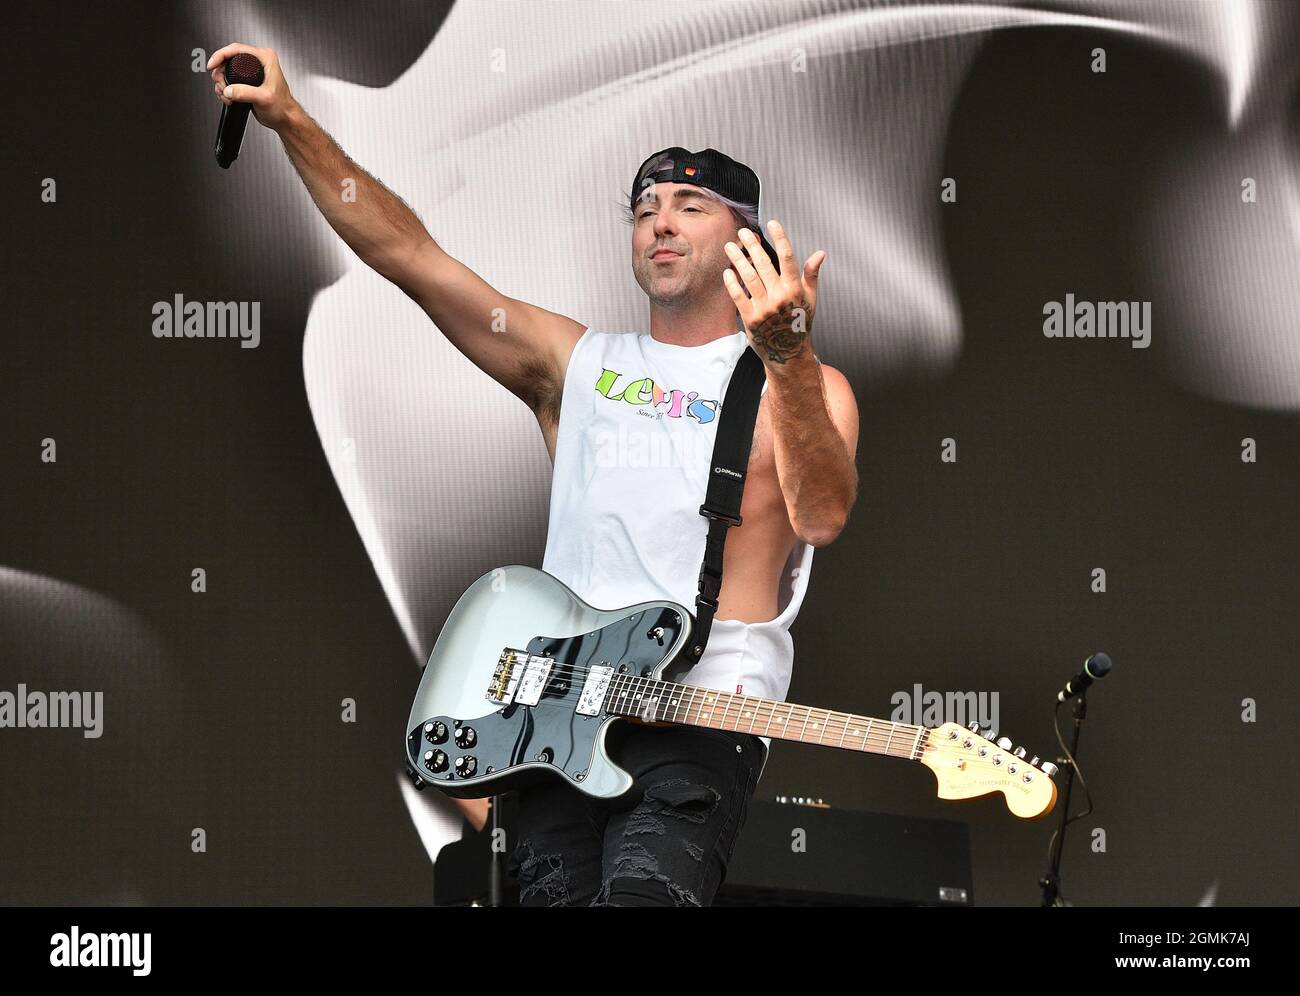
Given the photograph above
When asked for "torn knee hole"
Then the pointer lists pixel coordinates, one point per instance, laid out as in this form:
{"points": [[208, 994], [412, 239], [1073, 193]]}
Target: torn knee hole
{"points": [[683, 799], [544, 873], [644, 890]]}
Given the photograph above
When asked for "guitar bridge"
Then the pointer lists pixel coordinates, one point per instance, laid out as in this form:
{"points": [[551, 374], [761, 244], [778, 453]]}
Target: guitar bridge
{"points": [[519, 677]]}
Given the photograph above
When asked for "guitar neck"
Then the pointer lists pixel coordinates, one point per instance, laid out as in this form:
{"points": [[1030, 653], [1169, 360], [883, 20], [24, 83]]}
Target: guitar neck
{"points": [[651, 700]]}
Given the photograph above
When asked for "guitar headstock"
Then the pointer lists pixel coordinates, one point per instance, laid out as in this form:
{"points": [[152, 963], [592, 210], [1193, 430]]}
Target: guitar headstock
{"points": [[968, 766]]}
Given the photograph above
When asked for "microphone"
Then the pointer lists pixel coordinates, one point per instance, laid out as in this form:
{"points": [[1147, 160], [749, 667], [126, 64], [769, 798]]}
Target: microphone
{"points": [[239, 68], [1095, 668]]}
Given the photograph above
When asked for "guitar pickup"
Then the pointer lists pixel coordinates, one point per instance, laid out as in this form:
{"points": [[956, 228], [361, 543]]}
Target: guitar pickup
{"points": [[519, 677], [593, 691]]}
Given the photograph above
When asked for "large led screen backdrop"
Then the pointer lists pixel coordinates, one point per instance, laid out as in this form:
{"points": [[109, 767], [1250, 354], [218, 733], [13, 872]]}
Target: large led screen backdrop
{"points": [[1062, 277]]}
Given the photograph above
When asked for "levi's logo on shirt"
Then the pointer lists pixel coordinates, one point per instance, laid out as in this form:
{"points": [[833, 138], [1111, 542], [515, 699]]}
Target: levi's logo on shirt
{"points": [[673, 403]]}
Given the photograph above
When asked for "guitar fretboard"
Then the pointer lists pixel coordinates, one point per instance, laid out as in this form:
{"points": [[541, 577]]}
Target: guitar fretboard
{"points": [[657, 701]]}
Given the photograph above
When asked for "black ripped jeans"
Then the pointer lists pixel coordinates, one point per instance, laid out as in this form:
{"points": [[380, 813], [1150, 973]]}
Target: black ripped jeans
{"points": [[670, 849]]}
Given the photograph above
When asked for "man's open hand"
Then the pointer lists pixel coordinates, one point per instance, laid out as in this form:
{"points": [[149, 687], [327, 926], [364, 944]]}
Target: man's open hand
{"points": [[778, 310]]}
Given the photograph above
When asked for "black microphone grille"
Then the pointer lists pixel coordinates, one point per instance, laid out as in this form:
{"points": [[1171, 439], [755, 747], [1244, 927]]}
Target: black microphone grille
{"points": [[1098, 665], [244, 68]]}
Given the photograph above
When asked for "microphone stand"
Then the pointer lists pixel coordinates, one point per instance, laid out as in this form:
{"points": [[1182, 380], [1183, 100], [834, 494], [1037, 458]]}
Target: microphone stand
{"points": [[496, 864], [1051, 882]]}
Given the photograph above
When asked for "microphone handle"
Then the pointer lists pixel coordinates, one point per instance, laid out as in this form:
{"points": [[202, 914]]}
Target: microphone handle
{"points": [[1079, 683], [230, 133]]}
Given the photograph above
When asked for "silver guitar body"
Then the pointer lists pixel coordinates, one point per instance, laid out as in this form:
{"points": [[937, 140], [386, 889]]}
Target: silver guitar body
{"points": [[520, 684]]}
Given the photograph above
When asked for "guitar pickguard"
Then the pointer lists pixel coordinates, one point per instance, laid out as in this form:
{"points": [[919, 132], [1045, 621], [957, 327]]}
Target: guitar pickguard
{"points": [[548, 708]]}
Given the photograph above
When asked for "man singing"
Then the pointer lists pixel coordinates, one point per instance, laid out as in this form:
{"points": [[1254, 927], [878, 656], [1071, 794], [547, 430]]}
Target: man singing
{"points": [[629, 421]]}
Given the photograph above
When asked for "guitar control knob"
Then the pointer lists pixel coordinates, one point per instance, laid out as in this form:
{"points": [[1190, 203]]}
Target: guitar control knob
{"points": [[1019, 752], [435, 732], [1004, 743], [435, 760], [1049, 769], [466, 737], [466, 765]]}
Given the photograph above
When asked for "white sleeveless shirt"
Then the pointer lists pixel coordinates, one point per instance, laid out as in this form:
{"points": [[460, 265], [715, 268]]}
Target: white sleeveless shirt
{"points": [[637, 424]]}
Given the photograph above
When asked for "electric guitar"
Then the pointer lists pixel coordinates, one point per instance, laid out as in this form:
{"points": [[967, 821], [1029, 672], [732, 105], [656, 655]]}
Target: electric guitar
{"points": [[527, 679]]}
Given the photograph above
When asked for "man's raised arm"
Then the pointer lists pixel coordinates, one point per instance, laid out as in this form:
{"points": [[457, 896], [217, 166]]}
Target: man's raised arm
{"points": [[523, 347]]}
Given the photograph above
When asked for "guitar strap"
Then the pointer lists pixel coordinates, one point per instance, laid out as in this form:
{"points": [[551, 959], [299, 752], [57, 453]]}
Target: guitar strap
{"points": [[728, 468]]}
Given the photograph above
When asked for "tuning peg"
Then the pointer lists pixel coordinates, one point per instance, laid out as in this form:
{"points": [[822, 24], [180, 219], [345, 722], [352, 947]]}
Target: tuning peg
{"points": [[974, 727], [1004, 743], [1034, 760], [1019, 752], [1049, 769]]}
